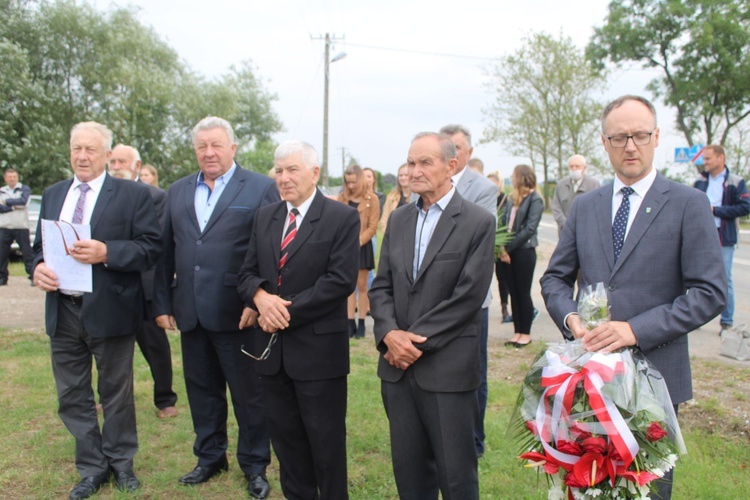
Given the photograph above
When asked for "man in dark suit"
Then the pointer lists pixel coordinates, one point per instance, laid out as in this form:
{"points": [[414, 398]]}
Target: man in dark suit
{"points": [[206, 232], [301, 266], [124, 241], [125, 163], [652, 241], [435, 268]]}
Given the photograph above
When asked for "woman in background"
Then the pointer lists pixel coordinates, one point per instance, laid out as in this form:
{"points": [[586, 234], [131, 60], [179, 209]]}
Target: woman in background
{"points": [[149, 175], [356, 194], [400, 195], [523, 215], [502, 282]]}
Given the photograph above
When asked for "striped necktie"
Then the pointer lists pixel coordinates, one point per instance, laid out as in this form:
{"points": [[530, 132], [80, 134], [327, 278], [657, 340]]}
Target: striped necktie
{"points": [[291, 232]]}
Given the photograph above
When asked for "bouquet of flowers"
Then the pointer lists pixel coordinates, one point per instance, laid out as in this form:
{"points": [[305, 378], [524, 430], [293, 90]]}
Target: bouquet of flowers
{"points": [[598, 425]]}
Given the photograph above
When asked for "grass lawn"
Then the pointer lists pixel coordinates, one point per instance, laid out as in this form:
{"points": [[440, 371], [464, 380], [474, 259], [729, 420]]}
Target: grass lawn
{"points": [[37, 451]]}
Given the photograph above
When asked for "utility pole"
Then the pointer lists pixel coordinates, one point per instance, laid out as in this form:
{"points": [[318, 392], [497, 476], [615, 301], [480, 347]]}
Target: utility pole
{"points": [[328, 39], [343, 162]]}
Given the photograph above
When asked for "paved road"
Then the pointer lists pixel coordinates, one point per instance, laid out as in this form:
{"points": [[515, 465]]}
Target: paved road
{"points": [[704, 342], [23, 306]]}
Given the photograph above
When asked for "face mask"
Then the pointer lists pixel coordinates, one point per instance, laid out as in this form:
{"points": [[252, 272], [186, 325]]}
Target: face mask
{"points": [[576, 175]]}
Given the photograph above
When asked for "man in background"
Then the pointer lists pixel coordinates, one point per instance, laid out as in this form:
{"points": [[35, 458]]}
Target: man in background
{"points": [[730, 201], [125, 163], [14, 223], [573, 185], [476, 188]]}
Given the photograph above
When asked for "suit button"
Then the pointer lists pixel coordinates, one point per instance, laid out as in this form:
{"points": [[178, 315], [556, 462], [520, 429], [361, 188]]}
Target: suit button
{"points": [[197, 268], [199, 242], [611, 288]]}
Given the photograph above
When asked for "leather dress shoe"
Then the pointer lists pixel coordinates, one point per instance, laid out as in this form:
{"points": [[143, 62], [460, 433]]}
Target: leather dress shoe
{"points": [[202, 474], [168, 412], [126, 480], [88, 486], [257, 486]]}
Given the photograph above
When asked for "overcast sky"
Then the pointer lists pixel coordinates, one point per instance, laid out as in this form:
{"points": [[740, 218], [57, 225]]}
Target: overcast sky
{"points": [[379, 98]]}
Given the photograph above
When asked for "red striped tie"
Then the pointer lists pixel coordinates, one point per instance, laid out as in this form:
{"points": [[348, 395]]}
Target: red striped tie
{"points": [[291, 232]]}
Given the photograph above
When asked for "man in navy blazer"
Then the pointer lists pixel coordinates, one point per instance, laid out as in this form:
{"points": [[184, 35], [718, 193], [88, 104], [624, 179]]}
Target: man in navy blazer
{"points": [[125, 240], [206, 232], [435, 268], [669, 278], [302, 307]]}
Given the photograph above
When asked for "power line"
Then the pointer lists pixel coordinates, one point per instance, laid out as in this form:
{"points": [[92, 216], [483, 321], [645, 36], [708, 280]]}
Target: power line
{"points": [[438, 54]]}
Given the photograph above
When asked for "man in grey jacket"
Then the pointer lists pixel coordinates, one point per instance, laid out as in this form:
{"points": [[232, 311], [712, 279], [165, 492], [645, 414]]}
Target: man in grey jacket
{"points": [[14, 223], [573, 185]]}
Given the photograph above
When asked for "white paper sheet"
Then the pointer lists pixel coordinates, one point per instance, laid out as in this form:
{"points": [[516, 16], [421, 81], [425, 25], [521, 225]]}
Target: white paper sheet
{"points": [[57, 238]]}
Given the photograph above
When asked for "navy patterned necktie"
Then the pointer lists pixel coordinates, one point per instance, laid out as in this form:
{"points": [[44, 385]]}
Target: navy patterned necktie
{"points": [[621, 221], [83, 188]]}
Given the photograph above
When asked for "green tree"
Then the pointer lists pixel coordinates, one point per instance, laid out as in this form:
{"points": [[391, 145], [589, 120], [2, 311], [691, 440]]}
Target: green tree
{"points": [[543, 105], [63, 63], [701, 50]]}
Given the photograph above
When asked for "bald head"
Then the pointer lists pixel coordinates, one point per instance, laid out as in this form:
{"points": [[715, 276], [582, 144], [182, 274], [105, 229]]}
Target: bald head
{"points": [[125, 162]]}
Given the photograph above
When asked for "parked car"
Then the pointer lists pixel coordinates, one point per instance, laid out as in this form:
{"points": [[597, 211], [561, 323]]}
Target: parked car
{"points": [[35, 205]]}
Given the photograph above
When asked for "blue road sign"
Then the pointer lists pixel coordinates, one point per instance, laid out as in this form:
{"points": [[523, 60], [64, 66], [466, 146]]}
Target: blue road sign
{"points": [[682, 155], [696, 154]]}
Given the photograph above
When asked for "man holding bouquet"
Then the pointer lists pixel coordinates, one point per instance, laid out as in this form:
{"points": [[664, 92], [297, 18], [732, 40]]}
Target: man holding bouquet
{"points": [[652, 242]]}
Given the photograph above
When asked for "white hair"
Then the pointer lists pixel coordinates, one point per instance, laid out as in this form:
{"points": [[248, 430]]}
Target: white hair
{"points": [[212, 122], [578, 157], [98, 127], [136, 154], [289, 148]]}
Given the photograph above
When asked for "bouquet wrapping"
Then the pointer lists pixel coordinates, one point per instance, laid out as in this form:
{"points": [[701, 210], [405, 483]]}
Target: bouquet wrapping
{"points": [[599, 425]]}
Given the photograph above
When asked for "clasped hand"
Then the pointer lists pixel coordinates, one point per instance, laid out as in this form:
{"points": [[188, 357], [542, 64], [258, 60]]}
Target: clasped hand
{"points": [[274, 315], [402, 352]]}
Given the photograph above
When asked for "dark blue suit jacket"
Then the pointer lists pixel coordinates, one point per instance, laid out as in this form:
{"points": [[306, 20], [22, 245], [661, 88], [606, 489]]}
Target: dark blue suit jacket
{"points": [[124, 218], [196, 280]]}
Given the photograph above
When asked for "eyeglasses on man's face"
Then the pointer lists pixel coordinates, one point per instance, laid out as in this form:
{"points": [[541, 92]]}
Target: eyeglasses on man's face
{"points": [[639, 139], [266, 352]]}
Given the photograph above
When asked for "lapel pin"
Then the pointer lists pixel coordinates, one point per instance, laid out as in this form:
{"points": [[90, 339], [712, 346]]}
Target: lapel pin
{"points": [[648, 210]]}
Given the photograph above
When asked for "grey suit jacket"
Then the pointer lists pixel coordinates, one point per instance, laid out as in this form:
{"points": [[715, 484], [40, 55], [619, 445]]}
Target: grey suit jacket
{"points": [[668, 281], [196, 280], [478, 189], [444, 302], [564, 196]]}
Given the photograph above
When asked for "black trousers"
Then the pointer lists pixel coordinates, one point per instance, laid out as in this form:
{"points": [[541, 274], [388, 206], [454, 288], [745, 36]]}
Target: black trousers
{"points": [[154, 345], [520, 274], [21, 236], [307, 421], [502, 282], [432, 440], [211, 362], [72, 347]]}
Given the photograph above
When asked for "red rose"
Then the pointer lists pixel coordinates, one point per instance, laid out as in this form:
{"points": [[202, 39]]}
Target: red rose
{"points": [[655, 432], [594, 444]]}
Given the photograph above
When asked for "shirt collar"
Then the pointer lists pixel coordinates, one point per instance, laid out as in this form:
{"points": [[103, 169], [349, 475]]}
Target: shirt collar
{"points": [[303, 207], [95, 184], [457, 177], [641, 187], [222, 179], [442, 202]]}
